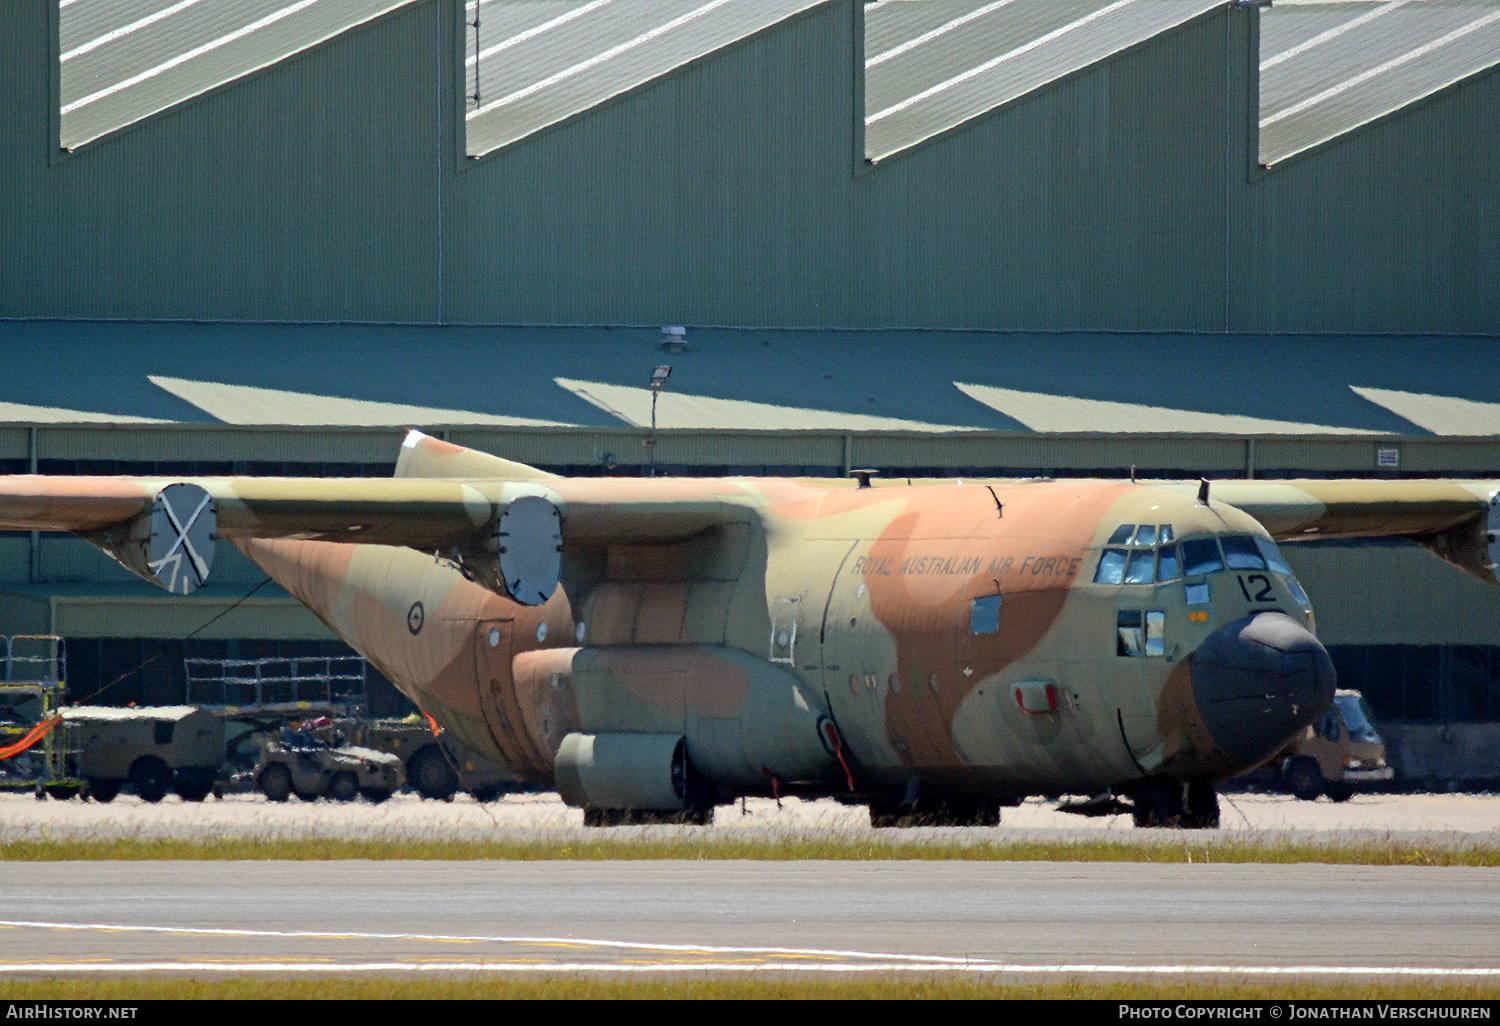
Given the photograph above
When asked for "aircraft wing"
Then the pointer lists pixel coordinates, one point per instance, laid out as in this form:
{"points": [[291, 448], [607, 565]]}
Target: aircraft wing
{"points": [[1456, 520], [506, 533]]}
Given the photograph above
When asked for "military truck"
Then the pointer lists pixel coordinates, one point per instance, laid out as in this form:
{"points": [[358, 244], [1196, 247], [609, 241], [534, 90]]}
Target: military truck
{"points": [[313, 764], [155, 750], [1339, 754], [437, 765]]}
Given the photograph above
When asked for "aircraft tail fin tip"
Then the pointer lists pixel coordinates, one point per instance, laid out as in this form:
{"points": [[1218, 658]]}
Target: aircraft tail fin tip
{"points": [[424, 456]]}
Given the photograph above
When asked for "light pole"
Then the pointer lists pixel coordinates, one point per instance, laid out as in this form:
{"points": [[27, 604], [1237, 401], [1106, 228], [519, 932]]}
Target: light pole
{"points": [[658, 379]]}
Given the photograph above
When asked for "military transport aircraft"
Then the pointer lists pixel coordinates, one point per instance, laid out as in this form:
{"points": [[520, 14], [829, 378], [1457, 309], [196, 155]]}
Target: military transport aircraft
{"points": [[654, 647]]}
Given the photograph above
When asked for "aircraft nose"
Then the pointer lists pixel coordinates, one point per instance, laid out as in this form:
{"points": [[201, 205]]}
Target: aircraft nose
{"points": [[1259, 680]]}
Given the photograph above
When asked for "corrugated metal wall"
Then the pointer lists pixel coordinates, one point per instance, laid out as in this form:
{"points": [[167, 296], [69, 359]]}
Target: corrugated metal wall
{"points": [[720, 195], [1091, 204], [1383, 593], [1212, 455], [1393, 227], [308, 192], [1123, 197]]}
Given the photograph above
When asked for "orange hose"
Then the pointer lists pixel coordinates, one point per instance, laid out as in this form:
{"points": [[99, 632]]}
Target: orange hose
{"points": [[33, 736]]}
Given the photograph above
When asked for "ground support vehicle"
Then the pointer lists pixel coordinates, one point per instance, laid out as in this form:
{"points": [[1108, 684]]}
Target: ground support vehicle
{"points": [[1338, 755], [309, 768], [436, 764], [154, 750]]}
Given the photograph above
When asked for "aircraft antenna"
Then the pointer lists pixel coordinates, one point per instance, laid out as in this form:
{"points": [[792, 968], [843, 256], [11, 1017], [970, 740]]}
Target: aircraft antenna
{"points": [[1203, 491], [999, 506]]}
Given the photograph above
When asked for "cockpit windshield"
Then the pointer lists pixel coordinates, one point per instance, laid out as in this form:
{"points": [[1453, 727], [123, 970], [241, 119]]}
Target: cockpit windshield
{"points": [[1150, 553], [1201, 556]]}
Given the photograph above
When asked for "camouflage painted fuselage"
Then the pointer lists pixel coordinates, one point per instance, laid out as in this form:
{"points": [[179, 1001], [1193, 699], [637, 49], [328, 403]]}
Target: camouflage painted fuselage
{"points": [[659, 645], [824, 604]]}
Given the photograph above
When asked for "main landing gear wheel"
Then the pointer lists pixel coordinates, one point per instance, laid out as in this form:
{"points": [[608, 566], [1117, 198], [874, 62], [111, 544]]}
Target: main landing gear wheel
{"points": [[1167, 802], [1202, 806], [947, 812], [696, 816]]}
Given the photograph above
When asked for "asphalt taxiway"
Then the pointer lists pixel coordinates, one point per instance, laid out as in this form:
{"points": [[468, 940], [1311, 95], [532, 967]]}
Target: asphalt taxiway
{"points": [[1013, 919]]}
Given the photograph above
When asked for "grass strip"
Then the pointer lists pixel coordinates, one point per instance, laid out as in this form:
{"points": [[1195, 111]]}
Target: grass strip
{"points": [[790, 848], [895, 986]]}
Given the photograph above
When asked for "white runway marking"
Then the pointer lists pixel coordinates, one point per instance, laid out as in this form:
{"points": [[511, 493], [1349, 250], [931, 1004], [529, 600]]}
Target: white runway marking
{"points": [[588, 942], [830, 960]]}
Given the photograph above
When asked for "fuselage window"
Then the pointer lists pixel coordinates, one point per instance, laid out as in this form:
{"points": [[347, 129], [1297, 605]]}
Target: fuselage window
{"points": [[1200, 556], [984, 615], [1140, 634], [1156, 632], [1111, 567], [1141, 567], [1197, 594], [1128, 641], [1241, 553], [1122, 534], [1296, 589], [1168, 564]]}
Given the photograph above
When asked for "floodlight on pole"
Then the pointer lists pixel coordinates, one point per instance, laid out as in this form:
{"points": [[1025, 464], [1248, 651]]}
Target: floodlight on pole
{"points": [[658, 379]]}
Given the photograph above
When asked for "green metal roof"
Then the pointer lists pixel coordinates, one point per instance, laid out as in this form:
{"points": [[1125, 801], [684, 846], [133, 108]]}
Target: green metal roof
{"points": [[533, 63], [755, 379], [124, 60], [934, 64], [1329, 66]]}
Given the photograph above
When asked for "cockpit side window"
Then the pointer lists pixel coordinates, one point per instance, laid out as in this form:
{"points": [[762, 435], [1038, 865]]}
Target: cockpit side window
{"points": [[1128, 639], [1201, 556], [1145, 535], [1241, 553], [1274, 559], [1122, 534]]}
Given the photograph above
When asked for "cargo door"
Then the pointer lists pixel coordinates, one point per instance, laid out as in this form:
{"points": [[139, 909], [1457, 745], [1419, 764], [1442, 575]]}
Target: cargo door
{"points": [[497, 693]]}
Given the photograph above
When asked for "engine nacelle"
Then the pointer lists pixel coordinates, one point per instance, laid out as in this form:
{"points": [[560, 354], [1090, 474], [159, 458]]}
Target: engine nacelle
{"points": [[623, 771], [171, 544]]}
